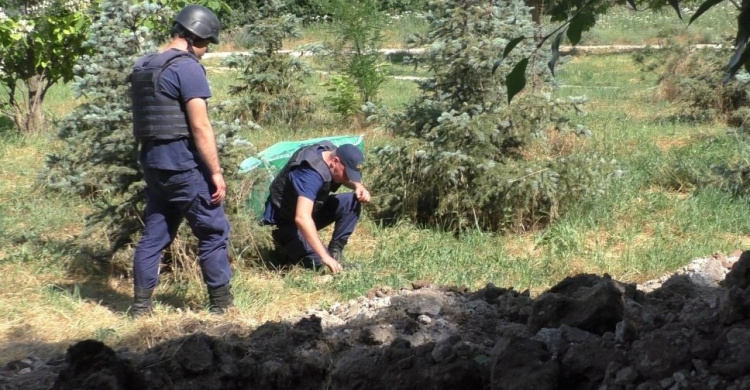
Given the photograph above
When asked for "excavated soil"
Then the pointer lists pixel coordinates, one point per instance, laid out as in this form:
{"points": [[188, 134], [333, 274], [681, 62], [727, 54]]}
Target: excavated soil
{"points": [[689, 330]]}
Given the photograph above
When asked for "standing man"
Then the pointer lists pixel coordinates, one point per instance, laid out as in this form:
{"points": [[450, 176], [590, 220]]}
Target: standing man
{"points": [[300, 203], [179, 159]]}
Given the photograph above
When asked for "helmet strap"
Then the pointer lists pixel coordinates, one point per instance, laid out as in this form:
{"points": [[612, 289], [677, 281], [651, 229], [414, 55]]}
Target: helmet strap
{"points": [[189, 40]]}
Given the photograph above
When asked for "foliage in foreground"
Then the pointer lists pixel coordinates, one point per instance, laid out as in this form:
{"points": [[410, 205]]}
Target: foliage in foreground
{"points": [[39, 44], [465, 159], [578, 16]]}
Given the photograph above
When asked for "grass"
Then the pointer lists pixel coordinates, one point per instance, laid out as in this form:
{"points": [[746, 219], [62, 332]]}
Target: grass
{"points": [[622, 26], [57, 288]]}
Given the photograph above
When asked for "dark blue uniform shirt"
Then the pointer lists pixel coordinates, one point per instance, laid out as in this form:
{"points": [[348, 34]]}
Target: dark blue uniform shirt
{"points": [[306, 182]]}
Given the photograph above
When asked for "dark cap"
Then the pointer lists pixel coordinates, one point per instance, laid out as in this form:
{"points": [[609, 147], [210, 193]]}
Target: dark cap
{"points": [[352, 159]]}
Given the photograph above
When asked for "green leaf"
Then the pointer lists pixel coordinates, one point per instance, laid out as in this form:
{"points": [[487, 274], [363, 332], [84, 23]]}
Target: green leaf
{"points": [[516, 79], [703, 8], [676, 5], [512, 44], [555, 53], [574, 31], [481, 359], [580, 23], [741, 54], [739, 58]]}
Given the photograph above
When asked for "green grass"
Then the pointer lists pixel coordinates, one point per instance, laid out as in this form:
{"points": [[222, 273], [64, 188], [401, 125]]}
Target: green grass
{"points": [[623, 26], [55, 289], [397, 31]]}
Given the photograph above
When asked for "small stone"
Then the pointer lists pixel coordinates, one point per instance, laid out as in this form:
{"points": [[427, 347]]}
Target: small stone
{"points": [[666, 383], [443, 351], [323, 279], [625, 331], [405, 363], [626, 376], [462, 349], [424, 319], [419, 284]]}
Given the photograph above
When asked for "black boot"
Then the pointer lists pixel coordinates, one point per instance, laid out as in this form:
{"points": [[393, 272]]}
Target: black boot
{"points": [[220, 299], [336, 249], [309, 263], [141, 302]]}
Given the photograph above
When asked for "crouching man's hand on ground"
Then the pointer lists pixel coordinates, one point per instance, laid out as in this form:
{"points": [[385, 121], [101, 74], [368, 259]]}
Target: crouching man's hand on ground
{"points": [[332, 264]]}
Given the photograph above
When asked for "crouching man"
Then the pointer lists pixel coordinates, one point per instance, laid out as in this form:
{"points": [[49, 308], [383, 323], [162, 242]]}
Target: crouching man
{"points": [[301, 202]]}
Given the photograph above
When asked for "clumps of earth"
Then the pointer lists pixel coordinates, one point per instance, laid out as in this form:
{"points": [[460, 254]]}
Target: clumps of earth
{"points": [[688, 330]]}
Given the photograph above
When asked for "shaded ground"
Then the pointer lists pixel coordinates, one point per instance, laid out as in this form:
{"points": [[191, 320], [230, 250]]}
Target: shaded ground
{"points": [[687, 331]]}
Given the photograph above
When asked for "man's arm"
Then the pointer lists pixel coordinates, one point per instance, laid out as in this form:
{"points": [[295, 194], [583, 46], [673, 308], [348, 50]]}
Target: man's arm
{"points": [[306, 225], [203, 134]]}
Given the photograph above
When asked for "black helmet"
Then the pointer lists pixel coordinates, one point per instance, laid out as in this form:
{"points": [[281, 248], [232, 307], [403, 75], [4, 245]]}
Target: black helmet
{"points": [[200, 21]]}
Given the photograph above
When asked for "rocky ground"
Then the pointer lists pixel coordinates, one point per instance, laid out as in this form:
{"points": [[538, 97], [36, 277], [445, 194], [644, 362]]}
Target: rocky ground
{"points": [[689, 330]]}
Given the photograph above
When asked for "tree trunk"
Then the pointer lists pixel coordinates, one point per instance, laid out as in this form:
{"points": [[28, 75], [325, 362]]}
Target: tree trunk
{"points": [[29, 117], [37, 88], [537, 10]]}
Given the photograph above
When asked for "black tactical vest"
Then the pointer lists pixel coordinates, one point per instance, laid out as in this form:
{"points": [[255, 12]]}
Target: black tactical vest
{"points": [[156, 116], [284, 198]]}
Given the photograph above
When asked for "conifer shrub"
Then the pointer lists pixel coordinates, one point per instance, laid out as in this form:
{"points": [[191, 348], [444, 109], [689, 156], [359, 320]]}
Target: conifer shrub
{"points": [[269, 88], [353, 55], [462, 157], [307, 10]]}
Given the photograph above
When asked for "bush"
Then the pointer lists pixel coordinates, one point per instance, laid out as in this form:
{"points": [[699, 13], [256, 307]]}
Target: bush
{"points": [[269, 89], [354, 51], [486, 172], [463, 158], [692, 80], [713, 161]]}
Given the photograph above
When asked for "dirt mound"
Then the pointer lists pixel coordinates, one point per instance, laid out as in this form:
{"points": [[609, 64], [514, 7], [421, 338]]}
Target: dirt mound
{"points": [[687, 331]]}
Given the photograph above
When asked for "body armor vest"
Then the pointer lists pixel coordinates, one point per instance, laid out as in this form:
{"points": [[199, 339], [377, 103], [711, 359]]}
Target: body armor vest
{"points": [[284, 198], [155, 115]]}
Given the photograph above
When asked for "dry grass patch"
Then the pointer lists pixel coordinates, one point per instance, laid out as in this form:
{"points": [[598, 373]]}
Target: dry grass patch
{"points": [[45, 316], [522, 245], [666, 144], [49, 318]]}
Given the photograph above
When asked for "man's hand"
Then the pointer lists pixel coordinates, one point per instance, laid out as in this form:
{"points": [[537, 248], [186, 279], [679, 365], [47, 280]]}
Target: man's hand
{"points": [[221, 188], [332, 264], [361, 193], [306, 225]]}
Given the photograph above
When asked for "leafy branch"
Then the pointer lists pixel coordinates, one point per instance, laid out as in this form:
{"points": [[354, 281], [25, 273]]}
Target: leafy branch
{"points": [[581, 21]]}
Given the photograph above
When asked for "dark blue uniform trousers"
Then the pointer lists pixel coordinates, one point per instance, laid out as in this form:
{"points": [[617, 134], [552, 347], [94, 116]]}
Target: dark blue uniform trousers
{"points": [[342, 210], [170, 197]]}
